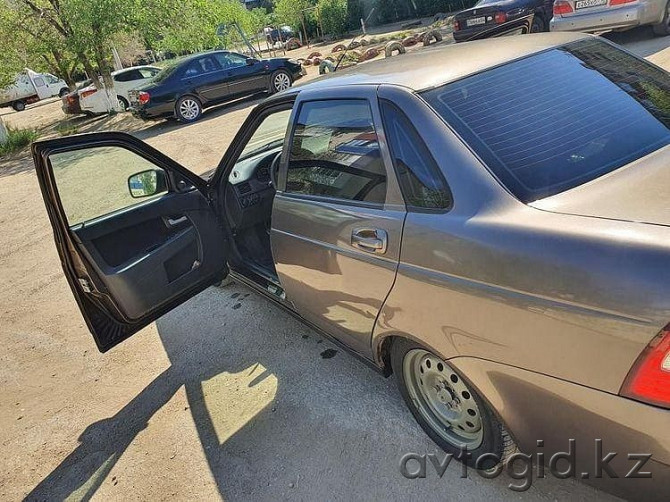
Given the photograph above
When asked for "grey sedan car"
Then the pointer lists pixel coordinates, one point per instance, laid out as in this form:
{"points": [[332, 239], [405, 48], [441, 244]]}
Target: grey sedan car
{"points": [[495, 236], [593, 16]]}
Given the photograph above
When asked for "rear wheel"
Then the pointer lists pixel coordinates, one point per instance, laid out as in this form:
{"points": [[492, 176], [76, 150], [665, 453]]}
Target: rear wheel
{"points": [[538, 25], [63, 92], [280, 81], [188, 109], [663, 28], [19, 106], [123, 104], [447, 407]]}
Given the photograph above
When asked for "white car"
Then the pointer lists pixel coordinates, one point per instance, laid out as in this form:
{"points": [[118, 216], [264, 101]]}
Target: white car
{"points": [[93, 101]]}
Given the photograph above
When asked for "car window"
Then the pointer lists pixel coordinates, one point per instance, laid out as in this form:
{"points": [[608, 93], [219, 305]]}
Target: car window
{"points": [[200, 66], [128, 76], [269, 134], [39, 81], [147, 72], [50, 78], [421, 181], [95, 181], [335, 152], [590, 110], [230, 60]]}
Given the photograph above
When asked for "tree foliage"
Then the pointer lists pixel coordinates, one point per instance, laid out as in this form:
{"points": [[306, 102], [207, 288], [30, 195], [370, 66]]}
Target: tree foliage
{"points": [[334, 16]]}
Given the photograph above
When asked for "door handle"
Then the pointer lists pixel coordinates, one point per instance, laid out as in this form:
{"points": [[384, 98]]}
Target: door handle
{"points": [[371, 240], [176, 221]]}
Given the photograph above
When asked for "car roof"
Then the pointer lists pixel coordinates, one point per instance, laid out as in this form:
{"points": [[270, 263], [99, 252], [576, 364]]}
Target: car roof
{"points": [[130, 68], [442, 64]]}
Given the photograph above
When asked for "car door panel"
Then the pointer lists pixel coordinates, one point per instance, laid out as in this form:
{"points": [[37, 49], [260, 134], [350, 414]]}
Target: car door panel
{"points": [[130, 266], [330, 282], [319, 244]]}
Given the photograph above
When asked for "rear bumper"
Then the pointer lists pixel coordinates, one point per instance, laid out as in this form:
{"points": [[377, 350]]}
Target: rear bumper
{"points": [[538, 407], [611, 19]]}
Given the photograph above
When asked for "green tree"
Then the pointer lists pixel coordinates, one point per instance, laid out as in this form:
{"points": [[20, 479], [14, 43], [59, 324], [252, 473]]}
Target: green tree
{"points": [[290, 12], [334, 17]]}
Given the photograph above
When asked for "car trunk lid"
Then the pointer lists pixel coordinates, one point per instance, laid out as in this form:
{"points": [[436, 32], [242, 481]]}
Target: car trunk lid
{"points": [[637, 192], [567, 8]]}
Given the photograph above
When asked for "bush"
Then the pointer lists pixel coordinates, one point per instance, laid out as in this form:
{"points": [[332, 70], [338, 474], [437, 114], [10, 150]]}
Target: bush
{"points": [[334, 16], [17, 139]]}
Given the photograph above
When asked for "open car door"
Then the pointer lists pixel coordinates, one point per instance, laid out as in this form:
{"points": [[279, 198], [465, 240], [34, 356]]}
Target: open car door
{"points": [[135, 231]]}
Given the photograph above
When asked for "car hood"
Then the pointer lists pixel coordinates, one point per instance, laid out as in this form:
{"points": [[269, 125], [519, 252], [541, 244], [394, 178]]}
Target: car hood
{"points": [[638, 192]]}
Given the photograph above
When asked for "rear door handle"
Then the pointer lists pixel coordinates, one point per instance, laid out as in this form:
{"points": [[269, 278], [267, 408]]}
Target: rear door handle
{"points": [[371, 240]]}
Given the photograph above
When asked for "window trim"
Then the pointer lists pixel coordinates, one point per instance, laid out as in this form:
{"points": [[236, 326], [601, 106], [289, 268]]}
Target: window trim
{"points": [[324, 198], [438, 173]]}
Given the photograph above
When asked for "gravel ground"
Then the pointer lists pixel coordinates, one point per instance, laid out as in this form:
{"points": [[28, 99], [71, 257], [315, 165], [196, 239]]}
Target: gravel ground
{"points": [[225, 397]]}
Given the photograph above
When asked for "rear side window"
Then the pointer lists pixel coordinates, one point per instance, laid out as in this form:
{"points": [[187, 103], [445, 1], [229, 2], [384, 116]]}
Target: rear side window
{"points": [[128, 76], [335, 153], [421, 180], [560, 118]]}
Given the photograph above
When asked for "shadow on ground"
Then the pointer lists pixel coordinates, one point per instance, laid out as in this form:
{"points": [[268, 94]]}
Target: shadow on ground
{"points": [[277, 415]]}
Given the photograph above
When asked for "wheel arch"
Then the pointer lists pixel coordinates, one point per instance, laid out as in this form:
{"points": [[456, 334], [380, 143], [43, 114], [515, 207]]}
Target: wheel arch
{"points": [[381, 349]]}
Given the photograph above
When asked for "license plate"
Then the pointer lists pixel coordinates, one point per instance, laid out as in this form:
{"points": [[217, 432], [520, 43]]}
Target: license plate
{"points": [[475, 21], [585, 4]]}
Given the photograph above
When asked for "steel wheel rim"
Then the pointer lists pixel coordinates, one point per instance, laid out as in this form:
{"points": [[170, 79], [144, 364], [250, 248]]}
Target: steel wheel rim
{"points": [[282, 82], [443, 399], [189, 109]]}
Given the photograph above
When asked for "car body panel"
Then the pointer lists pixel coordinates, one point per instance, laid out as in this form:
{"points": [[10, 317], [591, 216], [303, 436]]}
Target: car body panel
{"points": [[610, 17], [96, 103], [562, 411]]}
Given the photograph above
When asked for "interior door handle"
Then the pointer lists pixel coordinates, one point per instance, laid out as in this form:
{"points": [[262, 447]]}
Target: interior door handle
{"points": [[372, 240], [176, 221]]}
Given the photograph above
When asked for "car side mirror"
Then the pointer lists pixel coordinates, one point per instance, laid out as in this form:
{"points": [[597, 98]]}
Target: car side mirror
{"points": [[147, 183], [251, 61]]}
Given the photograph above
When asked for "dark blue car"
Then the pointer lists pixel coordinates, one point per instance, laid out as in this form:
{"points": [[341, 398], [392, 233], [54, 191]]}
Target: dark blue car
{"points": [[487, 14], [183, 89]]}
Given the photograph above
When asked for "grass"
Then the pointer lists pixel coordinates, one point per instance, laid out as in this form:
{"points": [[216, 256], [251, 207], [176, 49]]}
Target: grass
{"points": [[17, 139], [66, 129]]}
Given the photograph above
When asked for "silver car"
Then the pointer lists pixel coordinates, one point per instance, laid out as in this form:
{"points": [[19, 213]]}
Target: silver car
{"points": [[594, 16], [488, 221]]}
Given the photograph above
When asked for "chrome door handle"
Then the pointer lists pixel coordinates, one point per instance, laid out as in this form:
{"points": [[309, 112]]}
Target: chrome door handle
{"points": [[372, 240], [177, 221]]}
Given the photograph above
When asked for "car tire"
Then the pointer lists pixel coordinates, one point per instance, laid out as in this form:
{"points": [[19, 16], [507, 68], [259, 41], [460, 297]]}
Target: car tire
{"points": [[280, 81], [123, 103], [419, 372], [188, 109], [63, 92], [538, 25], [662, 29], [19, 106]]}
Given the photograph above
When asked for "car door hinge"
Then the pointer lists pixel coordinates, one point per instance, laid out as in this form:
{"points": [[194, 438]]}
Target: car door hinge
{"points": [[85, 285]]}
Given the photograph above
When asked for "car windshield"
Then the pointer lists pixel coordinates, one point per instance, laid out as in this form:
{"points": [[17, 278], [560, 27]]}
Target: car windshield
{"points": [[560, 118]]}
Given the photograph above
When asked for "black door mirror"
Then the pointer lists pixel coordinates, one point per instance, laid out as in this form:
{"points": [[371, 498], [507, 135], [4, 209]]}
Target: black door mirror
{"points": [[147, 183], [251, 61]]}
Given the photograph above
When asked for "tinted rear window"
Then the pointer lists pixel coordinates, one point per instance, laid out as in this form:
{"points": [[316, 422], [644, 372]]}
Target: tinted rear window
{"points": [[560, 118]]}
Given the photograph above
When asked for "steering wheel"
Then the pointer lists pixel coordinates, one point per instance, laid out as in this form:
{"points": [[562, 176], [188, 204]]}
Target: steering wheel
{"points": [[274, 170]]}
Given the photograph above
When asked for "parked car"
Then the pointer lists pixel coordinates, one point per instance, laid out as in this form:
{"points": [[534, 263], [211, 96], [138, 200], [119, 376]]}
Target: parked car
{"points": [[496, 237], [183, 89], [593, 16], [94, 101], [281, 34], [487, 14], [30, 87], [70, 102]]}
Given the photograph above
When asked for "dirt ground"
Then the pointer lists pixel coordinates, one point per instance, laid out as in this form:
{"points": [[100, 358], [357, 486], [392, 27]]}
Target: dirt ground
{"points": [[226, 397]]}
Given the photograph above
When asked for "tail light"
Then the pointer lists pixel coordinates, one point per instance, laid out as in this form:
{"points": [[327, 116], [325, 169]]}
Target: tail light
{"points": [[457, 25], [143, 97], [621, 2], [649, 378], [562, 7], [90, 92], [500, 17]]}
